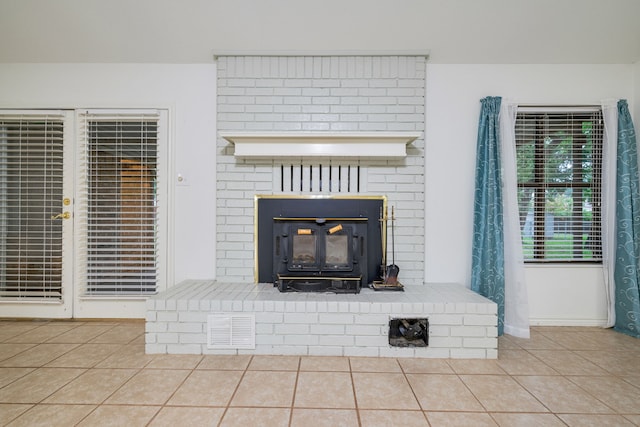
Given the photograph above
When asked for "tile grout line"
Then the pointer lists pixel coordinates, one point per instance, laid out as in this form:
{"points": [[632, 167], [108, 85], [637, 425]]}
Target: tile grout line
{"points": [[235, 390], [404, 373], [353, 390], [295, 388]]}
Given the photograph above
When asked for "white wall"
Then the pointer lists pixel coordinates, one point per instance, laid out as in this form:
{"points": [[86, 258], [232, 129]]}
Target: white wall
{"points": [[557, 295], [187, 90]]}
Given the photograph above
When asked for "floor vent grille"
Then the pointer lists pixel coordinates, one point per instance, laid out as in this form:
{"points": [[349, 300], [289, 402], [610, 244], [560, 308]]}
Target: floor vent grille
{"points": [[231, 331]]}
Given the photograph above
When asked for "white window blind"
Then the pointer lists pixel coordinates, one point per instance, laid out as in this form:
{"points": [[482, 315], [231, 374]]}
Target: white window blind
{"points": [[559, 155], [31, 172], [119, 203]]}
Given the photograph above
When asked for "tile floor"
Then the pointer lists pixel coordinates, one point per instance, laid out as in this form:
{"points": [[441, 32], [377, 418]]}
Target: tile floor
{"points": [[57, 373]]}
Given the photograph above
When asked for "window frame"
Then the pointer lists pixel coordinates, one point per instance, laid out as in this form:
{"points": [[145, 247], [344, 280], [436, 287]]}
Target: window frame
{"points": [[541, 164]]}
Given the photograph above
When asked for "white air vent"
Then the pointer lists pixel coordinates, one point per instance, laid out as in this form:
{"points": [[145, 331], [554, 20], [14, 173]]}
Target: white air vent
{"points": [[231, 331]]}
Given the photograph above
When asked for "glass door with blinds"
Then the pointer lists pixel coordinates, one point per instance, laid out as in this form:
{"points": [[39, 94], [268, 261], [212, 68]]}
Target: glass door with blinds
{"points": [[83, 196], [36, 204], [120, 200]]}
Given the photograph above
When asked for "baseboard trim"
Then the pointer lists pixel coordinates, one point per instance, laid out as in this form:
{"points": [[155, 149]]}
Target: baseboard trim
{"points": [[600, 323]]}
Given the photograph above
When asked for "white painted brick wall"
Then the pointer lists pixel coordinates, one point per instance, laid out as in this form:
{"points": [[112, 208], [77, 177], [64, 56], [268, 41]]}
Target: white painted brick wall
{"points": [[328, 93]]}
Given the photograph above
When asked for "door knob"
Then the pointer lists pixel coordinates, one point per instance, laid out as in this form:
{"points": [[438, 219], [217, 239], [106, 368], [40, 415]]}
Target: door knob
{"points": [[64, 215]]}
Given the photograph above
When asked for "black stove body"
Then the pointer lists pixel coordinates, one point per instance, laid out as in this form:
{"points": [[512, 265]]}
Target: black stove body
{"points": [[320, 254]]}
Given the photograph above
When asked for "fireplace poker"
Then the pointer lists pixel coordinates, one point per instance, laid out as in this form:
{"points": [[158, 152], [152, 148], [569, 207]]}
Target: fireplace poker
{"points": [[392, 269], [383, 240]]}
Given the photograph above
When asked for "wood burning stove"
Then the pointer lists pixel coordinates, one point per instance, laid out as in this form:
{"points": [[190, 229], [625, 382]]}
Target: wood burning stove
{"points": [[320, 254], [319, 244]]}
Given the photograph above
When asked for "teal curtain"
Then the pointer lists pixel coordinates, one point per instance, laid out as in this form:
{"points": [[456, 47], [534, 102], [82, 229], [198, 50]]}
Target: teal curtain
{"points": [[627, 266], [487, 264]]}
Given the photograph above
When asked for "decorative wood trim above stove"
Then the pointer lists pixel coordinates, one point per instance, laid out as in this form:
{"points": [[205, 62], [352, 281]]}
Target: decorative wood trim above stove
{"points": [[321, 144]]}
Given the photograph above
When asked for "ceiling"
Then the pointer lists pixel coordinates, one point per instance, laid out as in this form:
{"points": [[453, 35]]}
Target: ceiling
{"points": [[191, 31]]}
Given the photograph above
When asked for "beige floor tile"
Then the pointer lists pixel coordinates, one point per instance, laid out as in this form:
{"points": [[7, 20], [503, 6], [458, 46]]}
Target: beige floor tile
{"points": [[38, 355], [633, 379], [443, 393], [85, 356], [567, 362], [617, 394], [375, 418], [129, 356], [141, 340], [583, 420], [594, 381], [324, 418], [612, 339], [521, 362], [9, 350], [256, 417], [425, 366], [92, 387], [11, 411], [537, 341], [81, 334], [325, 363], [560, 395], [475, 366], [9, 329], [265, 388], [120, 415], [374, 364], [381, 390], [9, 375], [616, 362], [635, 419], [274, 363], [174, 361], [225, 362], [197, 417], [121, 334], [42, 333], [527, 420], [324, 390], [507, 342], [53, 415], [207, 388], [460, 419], [149, 387], [500, 393], [577, 340], [38, 385]]}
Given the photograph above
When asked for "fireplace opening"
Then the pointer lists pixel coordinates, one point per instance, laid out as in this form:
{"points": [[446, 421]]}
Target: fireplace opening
{"points": [[319, 244]]}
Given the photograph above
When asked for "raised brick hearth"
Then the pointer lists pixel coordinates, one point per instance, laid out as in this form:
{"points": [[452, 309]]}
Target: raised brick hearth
{"points": [[462, 324]]}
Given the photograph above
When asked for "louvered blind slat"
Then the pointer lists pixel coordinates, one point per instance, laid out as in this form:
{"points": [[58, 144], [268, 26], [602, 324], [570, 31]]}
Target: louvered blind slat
{"points": [[559, 155], [121, 201]]}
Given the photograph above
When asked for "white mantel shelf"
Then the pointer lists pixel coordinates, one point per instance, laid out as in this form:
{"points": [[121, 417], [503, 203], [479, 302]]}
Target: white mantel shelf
{"points": [[320, 144]]}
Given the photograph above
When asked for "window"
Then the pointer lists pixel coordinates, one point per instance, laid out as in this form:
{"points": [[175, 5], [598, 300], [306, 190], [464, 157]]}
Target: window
{"points": [[559, 166]]}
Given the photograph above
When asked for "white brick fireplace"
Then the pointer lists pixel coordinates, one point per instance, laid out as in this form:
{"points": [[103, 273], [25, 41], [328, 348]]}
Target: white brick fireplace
{"points": [[330, 95], [291, 126]]}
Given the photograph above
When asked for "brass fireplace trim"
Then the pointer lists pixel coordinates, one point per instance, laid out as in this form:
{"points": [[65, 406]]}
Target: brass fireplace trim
{"points": [[257, 197]]}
